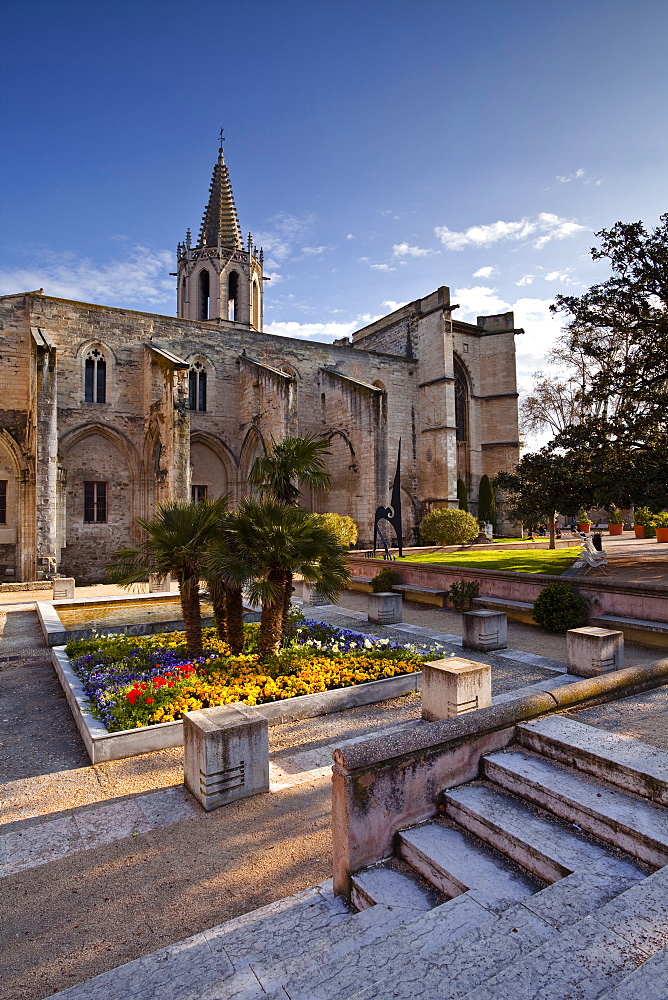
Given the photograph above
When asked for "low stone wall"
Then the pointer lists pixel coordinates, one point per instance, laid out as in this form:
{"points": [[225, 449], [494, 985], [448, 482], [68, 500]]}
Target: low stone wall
{"points": [[103, 745], [387, 783], [633, 600]]}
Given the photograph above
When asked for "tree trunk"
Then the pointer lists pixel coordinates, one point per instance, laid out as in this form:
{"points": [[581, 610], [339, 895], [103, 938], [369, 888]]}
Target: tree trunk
{"points": [[192, 618], [235, 619], [286, 605], [550, 522], [219, 606], [271, 622]]}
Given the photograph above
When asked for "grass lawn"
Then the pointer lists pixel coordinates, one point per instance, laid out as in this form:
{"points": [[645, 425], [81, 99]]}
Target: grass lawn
{"points": [[553, 561]]}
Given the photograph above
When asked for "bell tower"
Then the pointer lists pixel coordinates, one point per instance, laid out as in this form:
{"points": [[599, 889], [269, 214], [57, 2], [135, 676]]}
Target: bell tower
{"points": [[220, 280]]}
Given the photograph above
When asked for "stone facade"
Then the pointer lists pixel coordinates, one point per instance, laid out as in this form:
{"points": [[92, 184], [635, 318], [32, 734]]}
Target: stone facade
{"points": [[105, 412]]}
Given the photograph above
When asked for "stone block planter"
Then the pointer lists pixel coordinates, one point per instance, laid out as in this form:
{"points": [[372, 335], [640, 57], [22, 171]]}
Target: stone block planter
{"points": [[225, 754], [592, 651], [485, 630], [312, 596], [63, 588], [385, 608], [454, 686], [158, 584]]}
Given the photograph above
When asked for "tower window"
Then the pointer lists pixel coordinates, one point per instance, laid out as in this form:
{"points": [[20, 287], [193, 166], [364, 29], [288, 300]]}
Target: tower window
{"points": [[3, 501], [204, 297], [197, 387], [95, 503], [461, 403], [256, 306], [232, 296], [95, 390]]}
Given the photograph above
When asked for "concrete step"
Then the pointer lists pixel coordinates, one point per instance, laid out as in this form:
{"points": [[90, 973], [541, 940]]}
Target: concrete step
{"points": [[634, 766], [649, 982], [595, 955], [628, 822], [543, 845], [456, 862], [394, 883], [438, 929]]}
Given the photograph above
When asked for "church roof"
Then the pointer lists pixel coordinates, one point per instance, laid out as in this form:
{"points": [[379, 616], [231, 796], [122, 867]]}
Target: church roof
{"points": [[220, 215]]}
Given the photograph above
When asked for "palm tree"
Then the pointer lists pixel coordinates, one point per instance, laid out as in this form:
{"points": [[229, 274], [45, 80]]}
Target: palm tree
{"points": [[292, 461], [178, 537], [271, 541], [226, 573]]}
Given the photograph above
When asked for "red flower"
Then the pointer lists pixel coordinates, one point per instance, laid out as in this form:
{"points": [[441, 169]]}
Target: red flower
{"points": [[149, 700]]}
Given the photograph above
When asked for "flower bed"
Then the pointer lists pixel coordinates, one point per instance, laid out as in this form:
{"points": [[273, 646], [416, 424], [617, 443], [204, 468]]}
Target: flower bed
{"points": [[135, 682]]}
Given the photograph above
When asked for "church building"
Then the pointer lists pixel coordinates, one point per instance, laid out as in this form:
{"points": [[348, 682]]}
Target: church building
{"points": [[106, 412]]}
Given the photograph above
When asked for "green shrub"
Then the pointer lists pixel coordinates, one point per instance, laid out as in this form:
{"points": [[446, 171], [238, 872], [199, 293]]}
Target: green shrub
{"points": [[462, 593], [645, 517], [615, 516], [383, 582], [660, 520], [343, 527], [449, 527], [559, 607], [462, 495], [486, 501]]}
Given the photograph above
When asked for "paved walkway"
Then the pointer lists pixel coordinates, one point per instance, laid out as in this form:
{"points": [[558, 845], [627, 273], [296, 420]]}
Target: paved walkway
{"points": [[105, 863]]}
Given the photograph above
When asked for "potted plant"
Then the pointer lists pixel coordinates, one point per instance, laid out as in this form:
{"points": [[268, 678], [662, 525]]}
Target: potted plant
{"points": [[615, 521], [643, 523], [584, 521], [660, 522]]}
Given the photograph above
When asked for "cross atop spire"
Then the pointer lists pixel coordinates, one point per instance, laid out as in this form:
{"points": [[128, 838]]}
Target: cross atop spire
{"points": [[220, 225]]}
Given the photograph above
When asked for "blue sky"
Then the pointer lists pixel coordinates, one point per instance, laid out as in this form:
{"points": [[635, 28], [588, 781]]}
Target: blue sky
{"points": [[377, 149]]}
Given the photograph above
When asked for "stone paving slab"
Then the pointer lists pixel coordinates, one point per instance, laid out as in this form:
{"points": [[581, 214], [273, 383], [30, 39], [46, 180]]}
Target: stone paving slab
{"points": [[649, 982]]}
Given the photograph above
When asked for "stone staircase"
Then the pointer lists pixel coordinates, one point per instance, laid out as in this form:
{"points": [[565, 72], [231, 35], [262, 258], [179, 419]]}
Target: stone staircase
{"points": [[545, 879]]}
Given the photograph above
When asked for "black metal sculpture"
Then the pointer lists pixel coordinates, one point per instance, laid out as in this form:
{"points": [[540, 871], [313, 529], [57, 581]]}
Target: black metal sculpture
{"points": [[391, 514]]}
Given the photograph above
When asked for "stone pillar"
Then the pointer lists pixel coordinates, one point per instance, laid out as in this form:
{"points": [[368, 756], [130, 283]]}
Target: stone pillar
{"points": [[47, 462], [158, 584], [454, 686], [591, 651], [385, 609], [225, 754], [485, 630], [63, 588], [312, 596]]}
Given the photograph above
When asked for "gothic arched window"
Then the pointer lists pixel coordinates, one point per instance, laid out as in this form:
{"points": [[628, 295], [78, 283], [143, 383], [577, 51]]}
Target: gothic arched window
{"points": [[197, 386], [461, 403], [204, 294], [232, 296], [256, 305], [95, 381]]}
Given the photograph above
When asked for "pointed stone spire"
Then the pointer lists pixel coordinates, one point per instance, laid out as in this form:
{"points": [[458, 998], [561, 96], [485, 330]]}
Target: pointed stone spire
{"points": [[220, 225]]}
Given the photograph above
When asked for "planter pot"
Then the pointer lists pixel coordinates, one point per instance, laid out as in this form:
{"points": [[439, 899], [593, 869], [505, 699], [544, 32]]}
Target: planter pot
{"points": [[584, 526], [640, 530], [662, 534], [385, 609], [615, 529]]}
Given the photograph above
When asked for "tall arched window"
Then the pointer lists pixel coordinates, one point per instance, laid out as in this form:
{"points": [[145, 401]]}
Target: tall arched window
{"points": [[204, 296], [461, 403], [233, 296], [197, 387], [95, 384], [183, 297]]}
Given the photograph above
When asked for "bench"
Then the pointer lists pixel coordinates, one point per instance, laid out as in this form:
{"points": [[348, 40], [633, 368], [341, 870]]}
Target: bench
{"points": [[519, 611], [422, 595], [362, 583], [640, 630]]}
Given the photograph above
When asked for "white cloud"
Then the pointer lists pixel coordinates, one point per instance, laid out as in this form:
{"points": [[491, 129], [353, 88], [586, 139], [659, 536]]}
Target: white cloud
{"points": [[526, 279], [382, 267], [567, 178], [285, 233], [350, 236], [556, 276], [541, 329], [478, 301], [485, 272], [391, 305], [405, 250], [546, 225], [140, 278], [315, 251], [322, 332]]}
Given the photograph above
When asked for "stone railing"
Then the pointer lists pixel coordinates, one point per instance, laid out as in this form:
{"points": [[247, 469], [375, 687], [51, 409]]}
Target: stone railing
{"points": [[385, 784]]}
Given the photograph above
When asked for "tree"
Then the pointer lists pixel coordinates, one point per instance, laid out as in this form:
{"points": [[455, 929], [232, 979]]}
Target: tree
{"points": [[177, 539], [272, 541], [462, 496], [543, 484], [619, 329], [486, 501], [342, 526], [292, 461], [444, 526]]}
